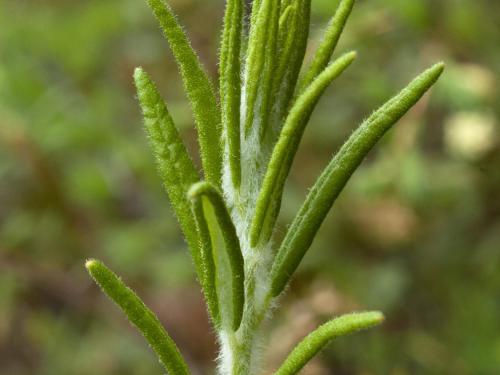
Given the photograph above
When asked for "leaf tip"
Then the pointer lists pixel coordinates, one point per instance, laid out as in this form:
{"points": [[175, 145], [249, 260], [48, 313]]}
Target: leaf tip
{"points": [[138, 72], [197, 189], [254, 238], [91, 264], [440, 66], [378, 317], [435, 71], [140, 76], [352, 55]]}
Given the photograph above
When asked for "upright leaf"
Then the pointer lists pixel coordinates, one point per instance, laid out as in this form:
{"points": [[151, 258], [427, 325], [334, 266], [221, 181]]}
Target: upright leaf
{"points": [[293, 35], [318, 339], [260, 65], [174, 164], [140, 316], [207, 263], [213, 218], [329, 42], [199, 89], [269, 200], [287, 39], [331, 182], [230, 86], [255, 11]]}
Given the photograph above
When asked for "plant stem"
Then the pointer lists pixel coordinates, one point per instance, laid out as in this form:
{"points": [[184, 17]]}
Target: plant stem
{"points": [[240, 350]]}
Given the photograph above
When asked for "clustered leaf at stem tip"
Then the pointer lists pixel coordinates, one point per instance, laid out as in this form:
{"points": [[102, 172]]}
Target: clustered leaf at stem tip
{"points": [[327, 46], [260, 66], [230, 86], [229, 216], [268, 203]]}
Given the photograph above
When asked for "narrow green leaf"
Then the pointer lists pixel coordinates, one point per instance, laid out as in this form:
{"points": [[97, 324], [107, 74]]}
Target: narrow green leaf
{"points": [[207, 263], [293, 35], [287, 40], [174, 164], [318, 339], [269, 200], [331, 182], [140, 316], [329, 42], [231, 245], [199, 89], [285, 18], [260, 65], [255, 11], [230, 86]]}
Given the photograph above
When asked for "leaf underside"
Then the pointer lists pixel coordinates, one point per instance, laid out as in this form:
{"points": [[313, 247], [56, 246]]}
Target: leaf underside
{"points": [[213, 221]]}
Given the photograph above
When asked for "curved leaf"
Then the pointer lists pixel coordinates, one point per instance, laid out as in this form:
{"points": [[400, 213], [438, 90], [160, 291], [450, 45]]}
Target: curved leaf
{"points": [[331, 182], [269, 200], [140, 316], [329, 42], [213, 218], [199, 89], [207, 264], [174, 164], [319, 338]]}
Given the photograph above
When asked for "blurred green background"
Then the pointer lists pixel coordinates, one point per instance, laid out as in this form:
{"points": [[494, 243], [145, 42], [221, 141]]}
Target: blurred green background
{"points": [[416, 233]]}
